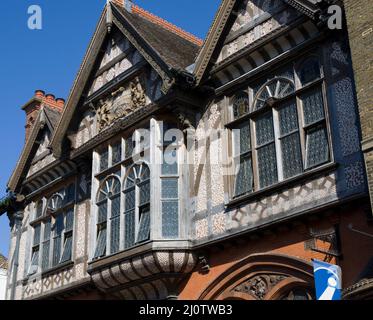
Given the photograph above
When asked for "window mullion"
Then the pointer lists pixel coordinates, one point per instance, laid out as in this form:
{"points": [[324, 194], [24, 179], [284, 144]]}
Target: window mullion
{"points": [[277, 141], [108, 226], [254, 155]]}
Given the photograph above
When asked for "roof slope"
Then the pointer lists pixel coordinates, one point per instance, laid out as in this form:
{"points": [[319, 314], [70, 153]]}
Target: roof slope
{"points": [[176, 47], [48, 116], [53, 116], [3, 262]]}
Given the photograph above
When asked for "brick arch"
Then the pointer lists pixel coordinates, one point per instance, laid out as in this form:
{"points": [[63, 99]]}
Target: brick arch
{"points": [[261, 277]]}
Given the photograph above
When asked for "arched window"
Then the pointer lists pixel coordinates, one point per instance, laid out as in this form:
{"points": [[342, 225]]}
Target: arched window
{"points": [[273, 90], [285, 133], [137, 205], [108, 204], [240, 105], [53, 230]]}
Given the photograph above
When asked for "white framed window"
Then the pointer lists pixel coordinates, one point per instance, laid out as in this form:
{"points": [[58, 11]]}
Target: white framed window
{"points": [[53, 230], [124, 220], [280, 127]]}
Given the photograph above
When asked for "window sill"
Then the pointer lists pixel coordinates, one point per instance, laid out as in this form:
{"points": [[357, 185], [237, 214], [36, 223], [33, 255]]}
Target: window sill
{"points": [[149, 246], [281, 185]]}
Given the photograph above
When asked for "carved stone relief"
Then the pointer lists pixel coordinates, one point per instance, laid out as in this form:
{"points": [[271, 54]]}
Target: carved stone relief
{"points": [[259, 286], [121, 102]]}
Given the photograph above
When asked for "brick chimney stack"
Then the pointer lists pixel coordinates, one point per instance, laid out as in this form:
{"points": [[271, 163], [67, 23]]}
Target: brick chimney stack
{"points": [[33, 107]]}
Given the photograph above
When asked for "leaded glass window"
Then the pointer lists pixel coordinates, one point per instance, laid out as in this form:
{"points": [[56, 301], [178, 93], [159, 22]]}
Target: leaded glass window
{"points": [[46, 244], [116, 153], [108, 205], [58, 228], [241, 105], [35, 249], [291, 151], [309, 71], [54, 232], [266, 150], [272, 91], [317, 146], [68, 237], [104, 160], [137, 205], [285, 133], [244, 176]]}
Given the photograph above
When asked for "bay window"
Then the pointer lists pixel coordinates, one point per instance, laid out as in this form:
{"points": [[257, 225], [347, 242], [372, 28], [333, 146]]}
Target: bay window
{"points": [[52, 223], [125, 207]]}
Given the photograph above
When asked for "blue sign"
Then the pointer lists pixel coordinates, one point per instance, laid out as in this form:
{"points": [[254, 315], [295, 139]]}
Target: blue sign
{"points": [[328, 280]]}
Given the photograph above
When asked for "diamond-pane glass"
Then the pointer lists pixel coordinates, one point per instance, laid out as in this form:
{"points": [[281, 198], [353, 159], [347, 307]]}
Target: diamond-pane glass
{"points": [[69, 194], [115, 234], [310, 71], [102, 212], [245, 141], [116, 153], [291, 155], [57, 249], [317, 147], [129, 230], [264, 129], [47, 229], [37, 230], [313, 106], [170, 219], [144, 192], [115, 207], [244, 177], [129, 147], [69, 220], [129, 199], [144, 227], [169, 188], [240, 105], [45, 255], [169, 165], [67, 249], [104, 160], [34, 261], [288, 118], [101, 244], [267, 165]]}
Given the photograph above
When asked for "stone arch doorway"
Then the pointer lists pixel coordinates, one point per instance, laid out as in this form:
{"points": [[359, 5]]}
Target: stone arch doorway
{"points": [[264, 277]]}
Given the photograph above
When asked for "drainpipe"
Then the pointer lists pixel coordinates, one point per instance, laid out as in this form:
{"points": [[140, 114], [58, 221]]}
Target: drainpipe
{"points": [[16, 220]]}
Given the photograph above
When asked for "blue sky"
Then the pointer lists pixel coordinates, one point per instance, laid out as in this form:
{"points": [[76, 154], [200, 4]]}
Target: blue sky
{"points": [[48, 59]]}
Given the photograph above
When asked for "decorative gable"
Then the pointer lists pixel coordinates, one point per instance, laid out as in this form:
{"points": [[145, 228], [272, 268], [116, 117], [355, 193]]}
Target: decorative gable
{"points": [[43, 155], [119, 57], [255, 20]]}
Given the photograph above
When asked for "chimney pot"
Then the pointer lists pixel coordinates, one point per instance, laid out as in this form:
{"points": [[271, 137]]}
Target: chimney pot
{"points": [[39, 93], [60, 101], [50, 96]]}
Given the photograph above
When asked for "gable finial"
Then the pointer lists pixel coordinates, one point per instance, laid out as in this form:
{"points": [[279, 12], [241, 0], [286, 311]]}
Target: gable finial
{"points": [[109, 16]]}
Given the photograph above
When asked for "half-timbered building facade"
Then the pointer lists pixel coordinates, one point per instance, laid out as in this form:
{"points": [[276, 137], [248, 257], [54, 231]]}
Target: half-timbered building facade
{"points": [[189, 169]]}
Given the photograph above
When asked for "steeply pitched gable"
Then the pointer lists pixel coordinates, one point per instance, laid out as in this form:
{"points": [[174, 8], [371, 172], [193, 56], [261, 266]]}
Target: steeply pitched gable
{"points": [[43, 128], [229, 14], [155, 41]]}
